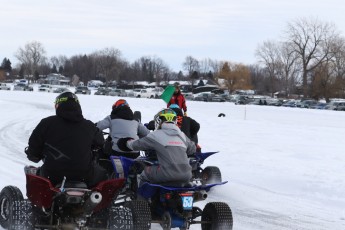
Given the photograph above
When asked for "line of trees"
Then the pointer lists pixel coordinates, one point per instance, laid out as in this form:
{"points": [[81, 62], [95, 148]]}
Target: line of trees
{"points": [[308, 61]]}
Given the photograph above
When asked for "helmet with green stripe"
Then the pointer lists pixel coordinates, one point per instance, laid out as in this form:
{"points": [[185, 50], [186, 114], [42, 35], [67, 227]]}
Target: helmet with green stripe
{"points": [[164, 115]]}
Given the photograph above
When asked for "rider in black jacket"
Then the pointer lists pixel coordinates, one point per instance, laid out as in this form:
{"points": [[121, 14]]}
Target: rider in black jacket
{"points": [[64, 142]]}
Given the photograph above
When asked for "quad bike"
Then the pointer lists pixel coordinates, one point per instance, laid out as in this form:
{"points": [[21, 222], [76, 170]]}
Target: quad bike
{"points": [[70, 205], [208, 175], [172, 205]]}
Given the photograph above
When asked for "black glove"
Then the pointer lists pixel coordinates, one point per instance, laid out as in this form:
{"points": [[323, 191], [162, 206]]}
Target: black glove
{"points": [[122, 143], [30, 156], [150, 125]]}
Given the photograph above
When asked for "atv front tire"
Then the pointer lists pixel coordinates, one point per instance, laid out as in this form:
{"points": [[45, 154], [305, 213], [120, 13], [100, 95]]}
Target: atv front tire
{"points": [[8, 196], [218, 216]]}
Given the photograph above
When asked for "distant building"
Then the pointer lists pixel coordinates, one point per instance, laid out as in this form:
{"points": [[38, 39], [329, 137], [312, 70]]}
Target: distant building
{"points": [[56, 79]]}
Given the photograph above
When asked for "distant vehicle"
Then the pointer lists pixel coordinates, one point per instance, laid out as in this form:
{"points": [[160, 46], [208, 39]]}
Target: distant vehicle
{"points": [[241, 100], [22, 87], [4, 86], [320, 105], [188, 96], [274, 102], [332, 105], [82, 90], [117, 93], [289, 104], [60, 90], [202, 89], [307, 103], [45, 88], [21, 81], [102, 91], [204, 96], [340, 106], [220, 98], [138, 92]]}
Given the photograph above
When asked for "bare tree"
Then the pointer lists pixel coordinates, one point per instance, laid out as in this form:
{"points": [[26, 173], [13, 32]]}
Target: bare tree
{"points": [[31, 56], [191, 65], [290, 67], [310, 39], [107, 63], [268, 55]]}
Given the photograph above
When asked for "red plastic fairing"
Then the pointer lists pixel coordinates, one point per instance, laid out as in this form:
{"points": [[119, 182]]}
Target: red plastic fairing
{"points": [[40, 190], [109, 190]]}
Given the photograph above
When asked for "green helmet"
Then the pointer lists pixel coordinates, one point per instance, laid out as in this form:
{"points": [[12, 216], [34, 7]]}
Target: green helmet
{"points": [[165, 115]]}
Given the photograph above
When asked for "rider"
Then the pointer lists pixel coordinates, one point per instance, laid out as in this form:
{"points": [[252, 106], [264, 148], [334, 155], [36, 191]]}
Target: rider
{"points": [[64, 143], [178, 98], [121, 123], [172, 148], [188, 126]]}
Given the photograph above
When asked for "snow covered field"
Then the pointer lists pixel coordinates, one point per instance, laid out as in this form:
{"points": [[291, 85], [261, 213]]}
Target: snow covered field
{"points": [[285, 166]]}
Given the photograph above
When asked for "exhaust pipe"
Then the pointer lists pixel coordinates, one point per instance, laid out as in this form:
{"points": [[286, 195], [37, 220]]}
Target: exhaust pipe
{"points": [[199, 196], [94, 199]]}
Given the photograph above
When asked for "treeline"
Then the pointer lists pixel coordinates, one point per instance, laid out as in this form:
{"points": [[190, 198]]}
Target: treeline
{"points": [[309, 61]]}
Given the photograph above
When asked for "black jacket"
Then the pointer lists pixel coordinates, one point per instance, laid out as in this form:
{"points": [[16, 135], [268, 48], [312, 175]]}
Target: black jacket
{"points": [[188, 126], [64, 143]]}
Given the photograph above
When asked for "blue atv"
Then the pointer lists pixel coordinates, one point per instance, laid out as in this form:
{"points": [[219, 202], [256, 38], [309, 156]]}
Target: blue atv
{"points": [[170, 205]]}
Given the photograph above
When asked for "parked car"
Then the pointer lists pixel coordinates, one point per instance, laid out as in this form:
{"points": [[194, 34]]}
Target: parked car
{"points": [[117, 93], [289, 104], [320, 105], [220, 98], [204, 96], [138, 92], [307, 103], [188, 96], [45, 88], [340, 106], [241, 100], [102, 91], [4, 86], [60, 90], [82, 90], [275, 102], [22, 87], [332, 105]]}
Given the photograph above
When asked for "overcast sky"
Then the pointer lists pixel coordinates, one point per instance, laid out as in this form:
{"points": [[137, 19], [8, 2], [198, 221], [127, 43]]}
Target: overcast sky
{"points": [[221, 30]]}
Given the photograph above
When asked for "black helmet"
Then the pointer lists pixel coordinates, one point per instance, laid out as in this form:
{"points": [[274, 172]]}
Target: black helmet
{"points": [[66, 96]]}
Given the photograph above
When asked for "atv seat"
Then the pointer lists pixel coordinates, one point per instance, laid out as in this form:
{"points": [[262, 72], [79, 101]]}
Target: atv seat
{"points": [[73, 184]]}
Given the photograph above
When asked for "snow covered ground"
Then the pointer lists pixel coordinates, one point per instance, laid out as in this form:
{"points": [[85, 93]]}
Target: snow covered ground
{"points": [[285, 166]]}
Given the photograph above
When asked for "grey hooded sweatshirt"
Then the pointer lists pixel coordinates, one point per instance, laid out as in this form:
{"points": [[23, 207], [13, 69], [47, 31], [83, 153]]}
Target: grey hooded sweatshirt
{"points": [[172, 147]]}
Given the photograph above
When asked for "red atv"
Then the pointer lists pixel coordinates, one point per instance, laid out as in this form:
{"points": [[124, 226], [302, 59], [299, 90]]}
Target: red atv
{"points": [[71, 205]]}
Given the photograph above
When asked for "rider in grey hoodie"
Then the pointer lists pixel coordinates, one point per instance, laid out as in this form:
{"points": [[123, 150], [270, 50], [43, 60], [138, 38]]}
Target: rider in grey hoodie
{"points": [[121, 123], [172, 148]]}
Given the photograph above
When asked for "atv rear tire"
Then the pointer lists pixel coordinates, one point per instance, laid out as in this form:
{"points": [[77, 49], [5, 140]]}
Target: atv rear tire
{"points": [[22, 216], [219, 216], [8, 196], [120, 218], [141, 214], [210, 175]]}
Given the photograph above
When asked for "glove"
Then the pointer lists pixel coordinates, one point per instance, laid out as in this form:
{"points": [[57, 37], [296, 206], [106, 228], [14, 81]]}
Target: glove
{"points": [[122, 144], [30, 156], [150, 125]]}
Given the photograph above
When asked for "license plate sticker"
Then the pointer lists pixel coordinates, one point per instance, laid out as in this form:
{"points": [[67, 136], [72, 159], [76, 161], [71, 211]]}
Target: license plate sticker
{"points": [[187, 202]]}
